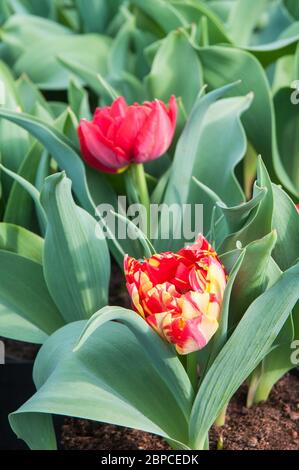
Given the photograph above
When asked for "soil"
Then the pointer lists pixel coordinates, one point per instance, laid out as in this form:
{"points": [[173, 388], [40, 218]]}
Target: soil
{"points": [[273, 425], [118, 294], [19, 351]]}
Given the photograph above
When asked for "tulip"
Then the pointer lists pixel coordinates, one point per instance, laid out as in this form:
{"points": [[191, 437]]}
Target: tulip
{"points": [[297, 206], [179, 294], [120, 134]]}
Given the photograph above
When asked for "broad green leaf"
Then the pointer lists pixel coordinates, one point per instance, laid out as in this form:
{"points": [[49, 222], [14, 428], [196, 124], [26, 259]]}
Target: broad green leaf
{"points": [[20, 241], [91, 51], [208, 122], [177, 62], [29, 95], [21, 32], [269, 53], [247, 346], [35, 7], [92, 78], [96, 16], [120, 57], [78, 100], [293, 8], [31, 190], [243, 18], [14, 142], [60, 148], [236, 216], [119, 394], [224, 64], [259, 222], [20, 208], [286, 223], [163, 13], [67, 123], [76, 261], [287, 124], [252, 278], [194, 11], [27, 312], [221, 335]]}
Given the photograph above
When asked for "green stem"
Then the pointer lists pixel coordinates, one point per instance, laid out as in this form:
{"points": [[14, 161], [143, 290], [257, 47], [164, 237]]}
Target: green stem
{"points": [[140, 179], [263, 390], [204, 31], [254, 381], [192, 361], [220, 420]]}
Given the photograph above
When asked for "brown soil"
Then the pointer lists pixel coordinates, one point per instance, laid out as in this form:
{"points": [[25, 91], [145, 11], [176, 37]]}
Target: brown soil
{"points": [[118, 292], [18, 350], [269, 426]]}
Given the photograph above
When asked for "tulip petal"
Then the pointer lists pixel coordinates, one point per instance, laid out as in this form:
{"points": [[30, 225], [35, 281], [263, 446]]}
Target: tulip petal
{"points": [[155, 135], [96, 150]]}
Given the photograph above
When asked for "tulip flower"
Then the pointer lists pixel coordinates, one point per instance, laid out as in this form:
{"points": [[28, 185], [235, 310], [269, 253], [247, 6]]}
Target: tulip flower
{"points": [[120, 134], [297, 206], [179, 294]]}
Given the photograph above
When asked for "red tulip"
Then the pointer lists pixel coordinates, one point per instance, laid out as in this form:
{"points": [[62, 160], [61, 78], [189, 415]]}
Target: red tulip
{"points": [[297, 207], [120, 134], [179, 294]]}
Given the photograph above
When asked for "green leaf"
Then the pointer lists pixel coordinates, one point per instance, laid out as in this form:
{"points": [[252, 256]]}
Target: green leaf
{"points": [[286, 223], [118, 394], [60, 148], [76, 261], [20, 241], [20, 209], [208, 122], [30, 95], [163, 13], [96, 17], [259, 222], [178, 64], [27, 311], [92, 78], [14, 142], [36, 7], [243, 18], [252, 278], [78, 100], [31, 190], [224, 64], [91, 51], [287, 125], [247, 346], [197, 12], [293, 8], [21, 32]]}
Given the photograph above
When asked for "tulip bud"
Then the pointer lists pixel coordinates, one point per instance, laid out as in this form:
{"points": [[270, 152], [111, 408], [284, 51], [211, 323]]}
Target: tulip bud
{"points": [[120, 134], [179, 294]]}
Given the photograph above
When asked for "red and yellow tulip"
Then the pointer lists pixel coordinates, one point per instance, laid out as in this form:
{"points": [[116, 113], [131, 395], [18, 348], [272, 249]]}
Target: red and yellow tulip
{"points": [[179, 294]]}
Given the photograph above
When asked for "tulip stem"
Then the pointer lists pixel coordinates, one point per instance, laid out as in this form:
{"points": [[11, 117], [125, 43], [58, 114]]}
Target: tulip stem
{"points": [[140, 179], [192, 360]]}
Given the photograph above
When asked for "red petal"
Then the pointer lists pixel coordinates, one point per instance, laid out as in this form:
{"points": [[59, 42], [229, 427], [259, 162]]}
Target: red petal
{"points": [[96, 149], [155, 136], [130, 127]]}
